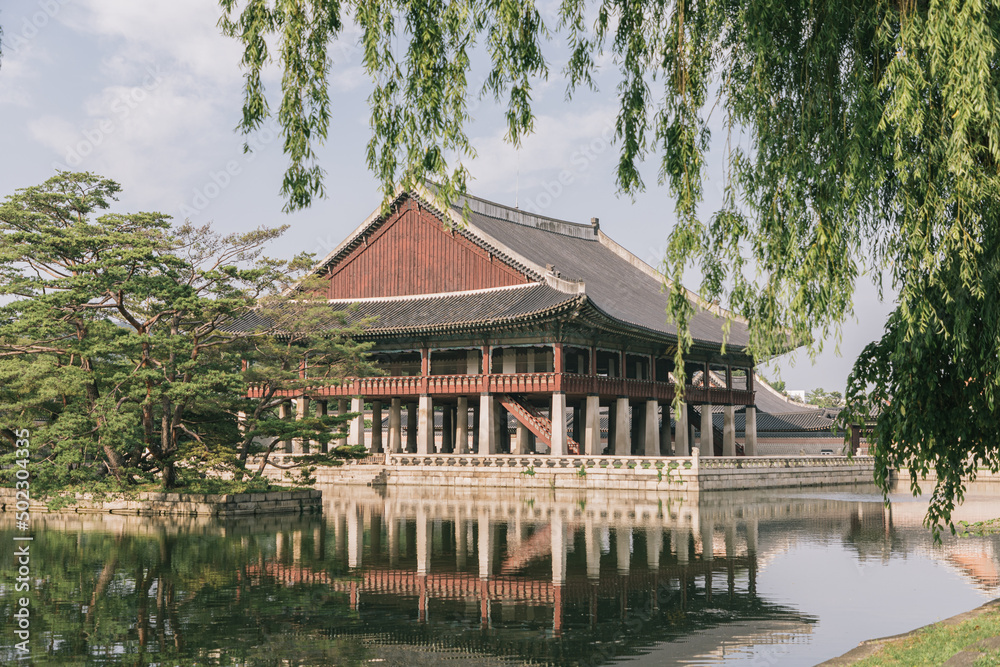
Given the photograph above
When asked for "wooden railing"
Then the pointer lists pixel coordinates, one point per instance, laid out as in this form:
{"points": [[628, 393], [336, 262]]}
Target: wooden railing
{"points": [[526, 383]]}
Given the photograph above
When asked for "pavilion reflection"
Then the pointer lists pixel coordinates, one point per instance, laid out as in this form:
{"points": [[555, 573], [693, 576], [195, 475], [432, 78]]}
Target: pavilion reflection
{"points": [[610, 572]]}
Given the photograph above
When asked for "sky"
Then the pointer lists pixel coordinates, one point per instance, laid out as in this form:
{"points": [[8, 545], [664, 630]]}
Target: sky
{"points": [[149, 94]]}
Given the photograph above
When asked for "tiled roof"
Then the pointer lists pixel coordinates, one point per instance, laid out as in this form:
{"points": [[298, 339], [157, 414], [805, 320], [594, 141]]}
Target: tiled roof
{"points": [[616, 285], [444, 311]]}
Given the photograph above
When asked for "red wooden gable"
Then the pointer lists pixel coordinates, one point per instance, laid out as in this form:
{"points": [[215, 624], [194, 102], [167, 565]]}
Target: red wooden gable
{"points": [[412, 252]]}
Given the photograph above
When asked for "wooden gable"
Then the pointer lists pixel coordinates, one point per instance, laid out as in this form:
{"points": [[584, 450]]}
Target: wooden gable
{"points": [[412, 252]]}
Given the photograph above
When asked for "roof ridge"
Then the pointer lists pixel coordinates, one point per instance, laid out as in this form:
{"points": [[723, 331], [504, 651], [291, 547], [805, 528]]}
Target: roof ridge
{"points": [[583, 231]]}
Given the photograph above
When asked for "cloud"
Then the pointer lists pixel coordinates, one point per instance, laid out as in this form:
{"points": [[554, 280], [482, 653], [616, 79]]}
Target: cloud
{"points": [[562, 142]]}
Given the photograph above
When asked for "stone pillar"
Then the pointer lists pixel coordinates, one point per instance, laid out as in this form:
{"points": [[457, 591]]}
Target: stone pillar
{"points": [[558, 415], [392, 535], [592, 430], [652, 435], [521, 446], [487, 425], [592, 545], [355, 536], [475, 429], [501, 435], [579, 420], [356, 433], [411, 427], [423, 544], [612, 427], [654, 544], [342, 405], [666, 446], [395, 426], [623, 549], [321, 411], [425, 426], [707, 539], [461, 545], [462, 426], [447, 430], [285, 412], [485, 546], [750, 432], [682, 443], [301, 445], [729, 431], [376, 446], [706, 445], [558, 532], [623, 430]]}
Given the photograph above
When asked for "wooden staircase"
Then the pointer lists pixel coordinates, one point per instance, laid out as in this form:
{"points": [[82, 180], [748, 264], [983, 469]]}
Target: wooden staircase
{"points": [[536, 422]]}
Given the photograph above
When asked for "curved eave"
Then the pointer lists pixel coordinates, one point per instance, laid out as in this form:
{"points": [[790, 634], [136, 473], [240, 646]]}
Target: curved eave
{"points": [[468, 326], [602, 320]]}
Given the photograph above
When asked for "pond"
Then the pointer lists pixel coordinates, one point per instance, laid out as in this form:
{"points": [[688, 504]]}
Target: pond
{"points": [[497, 577]]}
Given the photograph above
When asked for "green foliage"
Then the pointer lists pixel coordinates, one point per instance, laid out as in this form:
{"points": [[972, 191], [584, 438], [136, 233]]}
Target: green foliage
{"points": [[825, 399], [581, 471], [861, 137], [978, 528], [529, 471], [116, 346]]}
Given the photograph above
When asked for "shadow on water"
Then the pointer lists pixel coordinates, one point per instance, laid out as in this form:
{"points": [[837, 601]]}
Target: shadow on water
{"points": [[421, 576]]}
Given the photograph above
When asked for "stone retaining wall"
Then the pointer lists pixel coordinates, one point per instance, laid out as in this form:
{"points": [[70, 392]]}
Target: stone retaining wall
{"points": [[186, 504], [628, 473]]}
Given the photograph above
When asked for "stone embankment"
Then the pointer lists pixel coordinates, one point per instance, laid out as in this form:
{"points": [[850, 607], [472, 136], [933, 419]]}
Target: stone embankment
{"points": [[304, 501], [626, 473]]}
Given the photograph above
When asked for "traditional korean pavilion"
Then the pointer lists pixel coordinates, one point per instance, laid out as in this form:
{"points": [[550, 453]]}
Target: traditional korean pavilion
{"points": [[502, 312]]}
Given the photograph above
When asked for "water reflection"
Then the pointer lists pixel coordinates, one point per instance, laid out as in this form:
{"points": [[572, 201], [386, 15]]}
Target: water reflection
{"points": [[473, 577]]}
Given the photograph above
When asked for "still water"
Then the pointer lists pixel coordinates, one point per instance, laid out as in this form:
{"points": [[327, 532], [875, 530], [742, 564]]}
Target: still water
{"points": [[425, 577]]}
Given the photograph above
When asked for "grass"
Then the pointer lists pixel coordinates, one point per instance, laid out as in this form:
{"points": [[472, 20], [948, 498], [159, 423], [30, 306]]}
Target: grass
{"points": [[934, 645]]}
